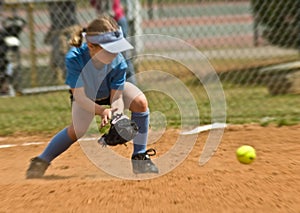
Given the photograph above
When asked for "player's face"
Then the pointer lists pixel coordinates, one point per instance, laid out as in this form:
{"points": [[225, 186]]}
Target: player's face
{"points": [[100, 54]]}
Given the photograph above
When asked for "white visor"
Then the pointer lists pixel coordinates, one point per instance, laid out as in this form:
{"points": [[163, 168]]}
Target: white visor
{"points": [[113, 42]]}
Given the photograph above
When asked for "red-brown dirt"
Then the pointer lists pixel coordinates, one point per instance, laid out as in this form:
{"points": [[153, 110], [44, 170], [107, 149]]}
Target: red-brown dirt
{"points": [[73, 184]]}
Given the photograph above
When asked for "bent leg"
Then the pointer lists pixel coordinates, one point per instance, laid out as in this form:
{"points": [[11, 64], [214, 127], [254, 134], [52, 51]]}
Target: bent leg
{"points": [[134, 98], [136, 102], [66, 137]]}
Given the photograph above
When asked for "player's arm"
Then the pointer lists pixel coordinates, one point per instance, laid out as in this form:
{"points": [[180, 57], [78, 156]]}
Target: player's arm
{"points": [[116, 100], [90, 106], [117, 85]]}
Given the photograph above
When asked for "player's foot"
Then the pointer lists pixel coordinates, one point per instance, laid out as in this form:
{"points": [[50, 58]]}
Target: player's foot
{"points": [[37, 168], [141, 163]]}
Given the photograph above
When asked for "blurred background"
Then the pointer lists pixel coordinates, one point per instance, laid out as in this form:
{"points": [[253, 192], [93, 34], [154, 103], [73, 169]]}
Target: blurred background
{"points": [[252, 45]]}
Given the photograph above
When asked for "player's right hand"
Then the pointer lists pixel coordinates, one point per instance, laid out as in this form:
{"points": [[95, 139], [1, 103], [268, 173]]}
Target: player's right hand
{"points": [[106, 116]]}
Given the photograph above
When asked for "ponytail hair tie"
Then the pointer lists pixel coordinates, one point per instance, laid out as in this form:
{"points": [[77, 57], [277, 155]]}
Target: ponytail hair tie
{"points": [[83, 32]]}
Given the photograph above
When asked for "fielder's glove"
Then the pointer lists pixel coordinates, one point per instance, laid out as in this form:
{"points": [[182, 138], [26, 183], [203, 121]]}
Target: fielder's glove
{"points": [[121, 130]]}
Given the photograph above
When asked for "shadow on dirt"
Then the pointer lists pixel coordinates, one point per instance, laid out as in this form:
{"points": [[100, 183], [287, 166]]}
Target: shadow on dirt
{"points": [[56, 177]]}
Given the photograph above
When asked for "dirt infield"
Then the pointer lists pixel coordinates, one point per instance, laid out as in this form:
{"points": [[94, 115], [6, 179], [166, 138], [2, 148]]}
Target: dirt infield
{"points": [[73, 184]]}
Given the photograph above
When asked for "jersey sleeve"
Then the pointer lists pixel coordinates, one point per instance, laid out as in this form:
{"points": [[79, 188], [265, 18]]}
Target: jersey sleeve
{"points": [[73, 66]]}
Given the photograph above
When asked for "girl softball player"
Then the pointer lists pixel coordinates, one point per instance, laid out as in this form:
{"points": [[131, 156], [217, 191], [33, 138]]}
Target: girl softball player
{"points": [[96, 74]]}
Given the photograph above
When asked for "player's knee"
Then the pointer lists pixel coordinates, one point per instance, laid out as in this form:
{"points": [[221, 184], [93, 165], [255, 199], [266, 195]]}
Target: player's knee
{"points": [[140, 104], [79, 134], [76, 133]]}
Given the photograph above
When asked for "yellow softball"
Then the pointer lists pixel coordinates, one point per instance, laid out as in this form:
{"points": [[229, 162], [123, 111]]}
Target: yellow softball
{"points": [[246, 154]]}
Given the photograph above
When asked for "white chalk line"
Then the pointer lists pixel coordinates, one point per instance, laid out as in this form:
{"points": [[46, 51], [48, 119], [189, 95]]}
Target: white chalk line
{"points": [[205, 128], [4, 146], [194, 131]]}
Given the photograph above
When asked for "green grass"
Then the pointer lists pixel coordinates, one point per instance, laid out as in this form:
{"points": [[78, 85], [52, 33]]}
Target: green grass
{"points": [[246, 102], [48, 113], [254, 104], [34, 114]]}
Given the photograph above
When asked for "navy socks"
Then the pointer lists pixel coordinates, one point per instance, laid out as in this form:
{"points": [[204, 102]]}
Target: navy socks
{"points": [[59, 143], [140, 141]]}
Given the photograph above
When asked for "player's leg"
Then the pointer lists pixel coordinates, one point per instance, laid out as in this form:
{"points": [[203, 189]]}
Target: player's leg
{"points": [[61, 141], [136, 102], [81, 120]]}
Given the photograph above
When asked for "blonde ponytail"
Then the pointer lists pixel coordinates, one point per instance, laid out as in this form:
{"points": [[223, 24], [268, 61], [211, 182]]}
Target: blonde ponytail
{"points": [[102, 24], [77, 38]]}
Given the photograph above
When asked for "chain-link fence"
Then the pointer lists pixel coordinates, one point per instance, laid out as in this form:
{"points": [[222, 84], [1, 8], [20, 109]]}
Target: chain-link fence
{"points": [[252, 45]]}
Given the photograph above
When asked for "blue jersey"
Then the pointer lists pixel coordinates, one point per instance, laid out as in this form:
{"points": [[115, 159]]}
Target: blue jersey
{"points": [[97, 82]]}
